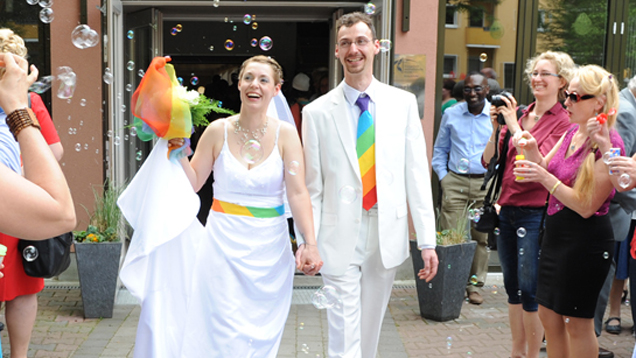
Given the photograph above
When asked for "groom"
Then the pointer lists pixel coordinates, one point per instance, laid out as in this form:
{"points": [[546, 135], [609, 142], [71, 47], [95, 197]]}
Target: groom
{"points": [[366, 161]]}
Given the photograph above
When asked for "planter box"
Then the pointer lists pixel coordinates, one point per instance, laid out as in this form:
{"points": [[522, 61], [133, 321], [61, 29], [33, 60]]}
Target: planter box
{"points": [[442, 298], [98, 268]]}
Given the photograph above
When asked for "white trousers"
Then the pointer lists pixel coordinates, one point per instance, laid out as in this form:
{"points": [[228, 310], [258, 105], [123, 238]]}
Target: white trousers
{"points": [[365, 290]]}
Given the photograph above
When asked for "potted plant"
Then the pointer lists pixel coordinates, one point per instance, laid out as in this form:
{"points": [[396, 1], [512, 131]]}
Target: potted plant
{"points": [[98, 252], [441, 299]]}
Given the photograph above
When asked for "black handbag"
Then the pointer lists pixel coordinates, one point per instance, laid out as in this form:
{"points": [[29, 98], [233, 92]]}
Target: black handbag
{"points": [[46, 258]]}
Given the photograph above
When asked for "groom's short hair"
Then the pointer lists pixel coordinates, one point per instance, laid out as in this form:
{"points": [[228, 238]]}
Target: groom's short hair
{"points": [[348, 20]]}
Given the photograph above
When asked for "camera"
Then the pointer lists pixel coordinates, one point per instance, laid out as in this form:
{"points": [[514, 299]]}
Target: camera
{"points": [[497, 100]]}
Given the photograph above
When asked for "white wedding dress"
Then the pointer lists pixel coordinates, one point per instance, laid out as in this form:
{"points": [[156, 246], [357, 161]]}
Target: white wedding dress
{"points": [[220, 291]]}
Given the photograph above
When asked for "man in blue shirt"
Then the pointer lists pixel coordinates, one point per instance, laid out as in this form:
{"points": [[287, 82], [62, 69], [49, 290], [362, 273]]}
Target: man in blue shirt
{"points": [[462, 137]]}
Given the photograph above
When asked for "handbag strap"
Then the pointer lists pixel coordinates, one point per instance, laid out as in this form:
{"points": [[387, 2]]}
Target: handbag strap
{"points": [[495, 185]]}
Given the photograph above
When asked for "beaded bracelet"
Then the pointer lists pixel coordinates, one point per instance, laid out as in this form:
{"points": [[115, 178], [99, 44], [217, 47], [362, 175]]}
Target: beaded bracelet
{"points": [[20, 119]]}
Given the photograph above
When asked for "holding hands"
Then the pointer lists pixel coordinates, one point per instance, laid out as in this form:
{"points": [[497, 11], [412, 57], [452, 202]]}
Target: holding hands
{"points": [[308, 259]]}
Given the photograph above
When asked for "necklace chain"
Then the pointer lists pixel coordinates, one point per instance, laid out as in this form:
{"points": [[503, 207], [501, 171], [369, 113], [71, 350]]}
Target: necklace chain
{"points": [[244, 133]]}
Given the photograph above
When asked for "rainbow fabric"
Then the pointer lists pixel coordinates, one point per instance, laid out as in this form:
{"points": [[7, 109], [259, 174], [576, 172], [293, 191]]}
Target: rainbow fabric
{"points": [[251, 211], [365, 148], [157, 108]]}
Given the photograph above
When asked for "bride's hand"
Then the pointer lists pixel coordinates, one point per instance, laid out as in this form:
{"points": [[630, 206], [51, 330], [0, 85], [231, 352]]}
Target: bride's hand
{"points": [[308, 259], [175, 143]]}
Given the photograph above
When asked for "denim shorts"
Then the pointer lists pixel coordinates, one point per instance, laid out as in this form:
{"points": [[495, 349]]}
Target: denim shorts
{"points": [[519, 253]]}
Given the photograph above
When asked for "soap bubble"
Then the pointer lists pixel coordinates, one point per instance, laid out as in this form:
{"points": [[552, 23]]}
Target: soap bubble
{"points": [[234, 28], [474, 280], [463, 166], [430, 285], [85, 146], [78, 147], [266, 43], [133, 131], [613, 152], [194, 80], [68, 81], [254, 25], [130, 65], [141, 73], [84, 37], [521, 232], [83, 102], [123, 108], [385, 45], [449, 342], [47, 15], [471, 214], [216, 3], [179, 27], [252, 151], [32, 2], [229, 45], [369, 8], [108, 76], [45, 3], [606, 255], [30, 253], [117, 140], [174, 31], [42, 85], [304, 348], [293, 167], [128, 87], [254, 42], [138, 156], [521, 251], [130, 34], [347, 194], [247, 19], [477, 216], [180, 80], [483, 57], [624, 180], [326, 297], [211, 48]]}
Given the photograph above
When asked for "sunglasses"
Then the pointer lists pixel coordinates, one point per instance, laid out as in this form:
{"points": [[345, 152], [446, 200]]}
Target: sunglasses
{"points": [[575, 97]]}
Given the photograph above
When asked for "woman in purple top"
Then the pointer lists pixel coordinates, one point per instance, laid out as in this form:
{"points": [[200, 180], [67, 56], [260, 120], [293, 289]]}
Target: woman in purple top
{"points": [[522, 204], [577, 249]]}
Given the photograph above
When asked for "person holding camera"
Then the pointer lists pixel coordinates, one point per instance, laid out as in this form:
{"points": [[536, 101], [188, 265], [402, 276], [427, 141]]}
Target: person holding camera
{"points": [[462, 137], [522, 204]]}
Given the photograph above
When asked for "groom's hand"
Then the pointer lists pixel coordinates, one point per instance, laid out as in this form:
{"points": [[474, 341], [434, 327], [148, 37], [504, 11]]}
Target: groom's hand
{"points": [[429, 256]]}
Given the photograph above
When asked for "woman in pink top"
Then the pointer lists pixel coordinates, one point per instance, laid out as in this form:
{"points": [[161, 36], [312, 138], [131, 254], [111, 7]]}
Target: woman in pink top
{"points": [[576, 252], [522, 204]]}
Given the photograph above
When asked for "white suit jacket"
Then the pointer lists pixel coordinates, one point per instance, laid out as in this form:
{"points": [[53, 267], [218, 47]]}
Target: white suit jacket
{"points": [[402, 175]]}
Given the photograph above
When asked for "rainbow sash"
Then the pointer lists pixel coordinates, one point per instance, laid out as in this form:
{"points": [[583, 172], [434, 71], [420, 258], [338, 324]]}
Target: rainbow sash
{"points": [[251, 211]]}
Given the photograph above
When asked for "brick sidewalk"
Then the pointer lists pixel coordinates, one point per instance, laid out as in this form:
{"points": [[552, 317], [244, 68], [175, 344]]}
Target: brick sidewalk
{"points": [[481, 331]]}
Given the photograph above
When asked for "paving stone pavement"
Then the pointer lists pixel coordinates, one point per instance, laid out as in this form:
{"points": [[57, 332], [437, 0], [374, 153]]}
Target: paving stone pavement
{"points": [[480, 331]]}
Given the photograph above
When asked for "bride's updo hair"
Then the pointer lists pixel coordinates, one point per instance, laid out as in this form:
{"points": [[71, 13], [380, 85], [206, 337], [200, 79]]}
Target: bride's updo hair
{"points": [[278, 71]]}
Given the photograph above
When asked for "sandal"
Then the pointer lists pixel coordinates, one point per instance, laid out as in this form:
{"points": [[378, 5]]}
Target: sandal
{"points": [[613, 328]]}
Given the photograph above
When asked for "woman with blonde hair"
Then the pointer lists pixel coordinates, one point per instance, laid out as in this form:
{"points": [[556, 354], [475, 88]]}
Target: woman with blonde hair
{"points": [[577, 249], [522, 204]]}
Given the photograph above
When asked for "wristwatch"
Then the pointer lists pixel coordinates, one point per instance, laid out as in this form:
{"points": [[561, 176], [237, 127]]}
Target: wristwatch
{"points": [[20, 119]]}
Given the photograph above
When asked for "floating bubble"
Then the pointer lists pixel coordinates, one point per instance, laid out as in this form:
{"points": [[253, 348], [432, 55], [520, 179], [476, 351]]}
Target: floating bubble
{"points": [[123, 108], [32, 2], [624, 180], [234, 28], [347, 194], [463, 166], [254, 42], [47, 15], [179, 27], [42, 85], [326, 297], [449, 342], [84, 37], [483, 57], [385, 45], [567, 320], [194, 80], [78, 147], [45, 3], [83, 102], [449, 266], [180, 80], [477, 216], [109, 133], [494, 289], [81, 123], [430, 285], [304, 348], [607, 156], [301, 325], [130, 65], [85, 146], [521, 232], [266, 43], [521, 251], [247, 19], [473, 280], [68, 80], [252, 151], [471, 214], [211, 48], [128, 87], [293, 167], [138, 156], [606, 255], [254, 25], [229, 45], [174, 31], [108, 76], [117, 140], [369, 8], [130, 34], [216, 3], [519, 293], [30, 253], [141, 73]]}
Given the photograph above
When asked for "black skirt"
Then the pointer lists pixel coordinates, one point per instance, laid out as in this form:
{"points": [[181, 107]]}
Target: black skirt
{"points": [[574, 261]]}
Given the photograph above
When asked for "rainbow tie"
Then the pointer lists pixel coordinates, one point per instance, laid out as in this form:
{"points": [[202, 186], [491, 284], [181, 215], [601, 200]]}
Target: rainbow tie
{"points": [[365, 148]]}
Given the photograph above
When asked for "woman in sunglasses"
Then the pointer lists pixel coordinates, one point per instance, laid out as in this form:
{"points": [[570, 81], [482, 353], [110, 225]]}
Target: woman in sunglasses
{"points": [[577, 249], [522, 204]]}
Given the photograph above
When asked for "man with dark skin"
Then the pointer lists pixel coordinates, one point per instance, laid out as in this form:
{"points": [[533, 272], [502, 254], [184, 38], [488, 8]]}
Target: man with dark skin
{"points": [[462, 137]]}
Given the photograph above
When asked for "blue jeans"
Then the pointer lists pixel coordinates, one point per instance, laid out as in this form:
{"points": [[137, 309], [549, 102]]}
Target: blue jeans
{"points": [[519, 256]]}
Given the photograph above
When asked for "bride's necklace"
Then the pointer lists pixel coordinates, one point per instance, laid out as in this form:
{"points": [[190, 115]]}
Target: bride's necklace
{"points": [[244, 133]]}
